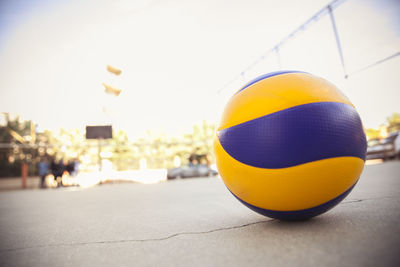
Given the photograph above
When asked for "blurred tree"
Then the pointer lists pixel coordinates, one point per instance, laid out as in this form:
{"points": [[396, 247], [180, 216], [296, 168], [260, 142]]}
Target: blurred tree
{"points": [[202, 140], [371, 133], [157, 149], [160, 150], [122, 154], [394, 122], [13, 133]]}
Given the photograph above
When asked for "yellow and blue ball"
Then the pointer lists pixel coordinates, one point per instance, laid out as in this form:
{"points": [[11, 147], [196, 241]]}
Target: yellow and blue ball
{"points": [[290, 145]]}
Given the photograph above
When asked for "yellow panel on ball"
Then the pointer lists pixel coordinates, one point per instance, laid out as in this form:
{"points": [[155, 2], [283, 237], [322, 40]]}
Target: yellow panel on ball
{"points": [[276, 93], [290, 145]]}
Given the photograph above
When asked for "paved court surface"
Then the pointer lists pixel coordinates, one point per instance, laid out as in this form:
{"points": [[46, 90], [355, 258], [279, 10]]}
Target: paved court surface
{"points": [[196, 222]]}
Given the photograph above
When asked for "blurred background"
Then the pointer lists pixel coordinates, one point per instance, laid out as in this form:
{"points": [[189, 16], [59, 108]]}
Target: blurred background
{"points": [[154, 76]]}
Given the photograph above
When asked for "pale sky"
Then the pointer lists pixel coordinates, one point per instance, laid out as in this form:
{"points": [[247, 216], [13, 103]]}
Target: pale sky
{"points": [[175, 56]]}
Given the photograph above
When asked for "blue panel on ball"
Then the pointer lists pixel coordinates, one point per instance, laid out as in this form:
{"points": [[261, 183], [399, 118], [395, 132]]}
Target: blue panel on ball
{"points": [[299, 214], [297, 135], [265, 76]]}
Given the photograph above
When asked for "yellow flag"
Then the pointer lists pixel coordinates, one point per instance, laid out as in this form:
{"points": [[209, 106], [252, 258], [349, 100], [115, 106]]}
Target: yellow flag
{"points": [[114, 70], [111, 90]]}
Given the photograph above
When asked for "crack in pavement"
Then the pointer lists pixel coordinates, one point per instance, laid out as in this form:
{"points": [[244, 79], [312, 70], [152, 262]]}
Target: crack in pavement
{"points": [[352, 201], [365, 199], [137, 240], [173, 235]]}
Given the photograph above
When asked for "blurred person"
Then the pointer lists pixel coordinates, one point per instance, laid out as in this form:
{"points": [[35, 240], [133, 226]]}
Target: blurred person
{"points": [[193, 160], [209, 159], [66, 169], [193, 163], [53, 167], [76, 163], [69, 167], [43, 171], [57, 169]]}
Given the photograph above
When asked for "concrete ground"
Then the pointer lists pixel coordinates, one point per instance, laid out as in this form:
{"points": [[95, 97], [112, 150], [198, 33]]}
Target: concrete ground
{"points": [[196, 222], [15, 183]]}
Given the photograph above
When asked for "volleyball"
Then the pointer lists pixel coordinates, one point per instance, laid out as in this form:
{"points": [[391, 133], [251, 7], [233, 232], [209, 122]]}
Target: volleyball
{"points": [[290, 145]]}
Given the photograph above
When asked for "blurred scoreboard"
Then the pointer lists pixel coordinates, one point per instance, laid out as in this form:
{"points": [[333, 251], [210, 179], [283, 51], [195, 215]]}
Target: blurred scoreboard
{"points": [[99, 132]]}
